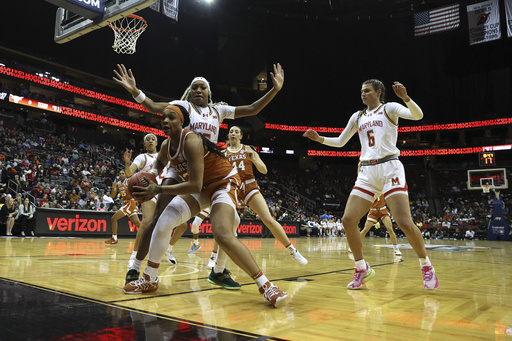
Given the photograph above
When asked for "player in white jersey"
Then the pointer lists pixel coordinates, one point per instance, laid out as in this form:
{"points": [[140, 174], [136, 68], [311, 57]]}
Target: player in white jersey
{"points": [[143, 163], [205, 117], [381, 173]]}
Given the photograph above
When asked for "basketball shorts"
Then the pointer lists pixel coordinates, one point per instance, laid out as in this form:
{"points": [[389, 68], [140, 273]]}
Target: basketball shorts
{"points": [[129, 207], [386, 178], [376, 214], [248, 189]]}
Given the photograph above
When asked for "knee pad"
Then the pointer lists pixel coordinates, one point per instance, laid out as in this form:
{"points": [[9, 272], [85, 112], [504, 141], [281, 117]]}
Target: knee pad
{"points": [[176, 213]]}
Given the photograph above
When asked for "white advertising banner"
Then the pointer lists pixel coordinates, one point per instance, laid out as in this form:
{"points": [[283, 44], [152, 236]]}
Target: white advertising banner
{"points": [[484, 22], [156, 6], [170, 8], [508, 12]]}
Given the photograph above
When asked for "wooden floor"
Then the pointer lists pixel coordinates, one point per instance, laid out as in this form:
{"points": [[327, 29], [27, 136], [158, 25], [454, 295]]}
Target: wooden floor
{"points": [[70, 289]]}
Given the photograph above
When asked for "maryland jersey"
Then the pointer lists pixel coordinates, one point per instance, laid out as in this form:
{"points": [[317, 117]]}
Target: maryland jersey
{"points": [[216, 167], [241, 162], [145, 161], [206, 120]]}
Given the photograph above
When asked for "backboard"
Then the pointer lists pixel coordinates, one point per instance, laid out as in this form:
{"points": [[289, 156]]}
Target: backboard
{"points": [[70, 25], [496, 177]]}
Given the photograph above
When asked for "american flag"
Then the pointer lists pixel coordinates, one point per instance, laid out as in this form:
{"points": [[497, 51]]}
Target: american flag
{"points": [[436, 20]]}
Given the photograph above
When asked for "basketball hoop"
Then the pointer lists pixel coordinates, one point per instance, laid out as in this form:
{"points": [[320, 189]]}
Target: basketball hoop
{"points": [[126, 32], [486, 188]]}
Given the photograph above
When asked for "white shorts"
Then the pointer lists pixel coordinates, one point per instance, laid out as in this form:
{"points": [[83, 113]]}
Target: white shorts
{"points": [[202, 200], [386, 178]]}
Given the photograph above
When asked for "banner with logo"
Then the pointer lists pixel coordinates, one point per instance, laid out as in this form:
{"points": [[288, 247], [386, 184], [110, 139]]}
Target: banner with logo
{"points": [[170, 8], [156, 6], [484, 22], [85, 223], [508, 12]]}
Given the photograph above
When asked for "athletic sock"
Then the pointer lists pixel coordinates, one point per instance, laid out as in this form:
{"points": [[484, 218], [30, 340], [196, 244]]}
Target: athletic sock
{"points": [[361, 264], [425, 262]]}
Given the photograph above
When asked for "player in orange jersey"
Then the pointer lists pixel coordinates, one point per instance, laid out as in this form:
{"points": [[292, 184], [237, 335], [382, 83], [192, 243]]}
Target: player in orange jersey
{"points": [[208, 179], [128, 209]]}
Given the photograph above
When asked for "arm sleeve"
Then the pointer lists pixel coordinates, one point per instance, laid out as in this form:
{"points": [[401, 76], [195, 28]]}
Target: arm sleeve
{"points": [[411, 112], [345, 136]]}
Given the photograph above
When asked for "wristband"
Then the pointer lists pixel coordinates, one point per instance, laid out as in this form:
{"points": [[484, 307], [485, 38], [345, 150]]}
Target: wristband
{"points": [[154, 171], [141, 97]]}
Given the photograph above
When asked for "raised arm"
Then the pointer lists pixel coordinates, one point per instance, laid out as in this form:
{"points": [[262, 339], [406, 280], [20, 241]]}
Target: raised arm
{"points": [[414, 113], [254, 108], [129, 169], [125, 78]]}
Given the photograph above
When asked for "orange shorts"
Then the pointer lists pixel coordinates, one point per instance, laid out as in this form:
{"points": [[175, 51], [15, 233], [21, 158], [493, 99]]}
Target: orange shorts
{"points": [[129, 207], [376, 214], [248, 189], [224, 190]]}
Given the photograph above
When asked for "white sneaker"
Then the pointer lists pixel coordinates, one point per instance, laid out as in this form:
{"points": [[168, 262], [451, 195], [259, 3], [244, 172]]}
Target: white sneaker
{"points": [[398, 252], [211, 263], [298, 257], [170, 257]]}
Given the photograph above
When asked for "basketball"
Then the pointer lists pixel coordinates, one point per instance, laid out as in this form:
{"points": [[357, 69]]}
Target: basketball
{"points": [[142, 179]]}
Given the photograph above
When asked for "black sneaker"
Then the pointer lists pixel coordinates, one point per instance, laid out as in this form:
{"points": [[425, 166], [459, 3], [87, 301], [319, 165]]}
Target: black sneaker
{"points": [[131, 275], [224, 280]]}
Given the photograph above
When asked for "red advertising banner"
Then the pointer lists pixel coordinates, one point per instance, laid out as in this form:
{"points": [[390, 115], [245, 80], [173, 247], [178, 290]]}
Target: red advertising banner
{"points": [[84, 223]]}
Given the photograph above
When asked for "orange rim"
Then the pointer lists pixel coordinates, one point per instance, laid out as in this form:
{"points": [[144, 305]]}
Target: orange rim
{"points": [[133, 16]]}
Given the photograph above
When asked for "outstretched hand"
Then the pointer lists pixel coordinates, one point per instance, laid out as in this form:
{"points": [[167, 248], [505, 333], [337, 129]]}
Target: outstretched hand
{"points": [[126, 79], [127, 155], [277, 77], [401, 91], [312, 135]]}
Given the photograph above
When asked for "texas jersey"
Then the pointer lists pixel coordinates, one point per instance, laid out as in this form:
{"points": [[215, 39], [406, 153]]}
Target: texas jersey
{"points": [[215, 167], [122, 189], [241, 162]]}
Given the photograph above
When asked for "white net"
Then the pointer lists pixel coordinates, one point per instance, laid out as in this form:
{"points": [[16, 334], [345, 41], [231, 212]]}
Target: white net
{"points": [[486, 188], [126, 32]]}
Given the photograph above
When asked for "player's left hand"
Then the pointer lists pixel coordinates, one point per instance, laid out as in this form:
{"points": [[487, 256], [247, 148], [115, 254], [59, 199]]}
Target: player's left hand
{"points": [[144, 193], [277, 77], [401, 91]]}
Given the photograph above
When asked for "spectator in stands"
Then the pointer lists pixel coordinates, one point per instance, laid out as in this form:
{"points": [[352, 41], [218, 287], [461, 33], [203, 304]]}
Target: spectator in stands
{"points": [[73, 197], [457, 235], [102, 208], [426, 234], [44, 200], [8, 214], [470, 234], [85, 185], [438, 234], [26, 217]]}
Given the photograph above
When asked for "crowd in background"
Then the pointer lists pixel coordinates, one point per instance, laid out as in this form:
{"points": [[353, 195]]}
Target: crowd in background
{"points": [[61, 172]]}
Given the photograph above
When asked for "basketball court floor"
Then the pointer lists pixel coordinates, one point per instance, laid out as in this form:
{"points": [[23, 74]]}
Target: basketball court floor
{"points": [[71, 289]]}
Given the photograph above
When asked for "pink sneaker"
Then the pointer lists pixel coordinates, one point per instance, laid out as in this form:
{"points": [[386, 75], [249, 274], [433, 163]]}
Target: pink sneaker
{"points": [[430, 281], [273, 294], [361, 277], [143, 284]]}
